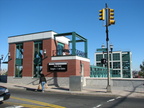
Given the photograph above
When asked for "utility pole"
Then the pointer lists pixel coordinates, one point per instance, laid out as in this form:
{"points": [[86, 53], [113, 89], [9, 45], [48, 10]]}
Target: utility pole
{"points": [[107, 15]]}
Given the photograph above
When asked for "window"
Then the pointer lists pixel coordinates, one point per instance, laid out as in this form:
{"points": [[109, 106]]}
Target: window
{"points": [[99, 57], [19, 60], [105, 65], [126, 65], [126, 57], [60, 48], [116, 65], [37, 58], [105, 56], [116, 73], [126, 74], [116, 56]]}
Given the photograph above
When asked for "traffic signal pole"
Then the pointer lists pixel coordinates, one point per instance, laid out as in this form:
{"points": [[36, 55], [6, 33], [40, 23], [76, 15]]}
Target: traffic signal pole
{"points": [[107, 15], [107, 45]]}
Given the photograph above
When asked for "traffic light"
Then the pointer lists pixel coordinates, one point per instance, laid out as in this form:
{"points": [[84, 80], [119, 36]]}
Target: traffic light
{"points": [[103, 61], [102, 14], [111, 16]]}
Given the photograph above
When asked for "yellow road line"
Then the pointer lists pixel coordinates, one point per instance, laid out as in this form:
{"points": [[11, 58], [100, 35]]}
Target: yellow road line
{"points": [[26, 105], [47, 105]]}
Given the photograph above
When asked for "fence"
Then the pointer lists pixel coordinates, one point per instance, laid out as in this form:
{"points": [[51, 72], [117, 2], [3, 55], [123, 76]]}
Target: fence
{"points": [[99, 72]]}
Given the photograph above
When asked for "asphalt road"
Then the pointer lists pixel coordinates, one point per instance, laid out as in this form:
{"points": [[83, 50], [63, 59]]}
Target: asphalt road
{"points": [[21, 98]]}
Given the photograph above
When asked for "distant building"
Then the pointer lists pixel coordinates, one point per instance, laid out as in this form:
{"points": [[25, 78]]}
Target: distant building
{"points": [[120, 63]]}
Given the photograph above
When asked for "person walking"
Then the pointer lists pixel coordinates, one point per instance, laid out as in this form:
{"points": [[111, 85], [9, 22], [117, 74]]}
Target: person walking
{"points": [[42, 81]]}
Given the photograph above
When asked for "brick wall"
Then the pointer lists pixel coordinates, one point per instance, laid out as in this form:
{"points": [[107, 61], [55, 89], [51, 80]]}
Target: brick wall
{"points": [[11, 63], [28, 58], [73, 68]]}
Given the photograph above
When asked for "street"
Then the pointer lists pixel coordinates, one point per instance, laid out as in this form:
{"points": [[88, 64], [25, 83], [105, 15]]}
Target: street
{"points": [[21, 98]]}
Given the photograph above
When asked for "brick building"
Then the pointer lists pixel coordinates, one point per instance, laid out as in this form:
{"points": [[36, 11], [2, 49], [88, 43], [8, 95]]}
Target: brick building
{"points": [[55, 55]]}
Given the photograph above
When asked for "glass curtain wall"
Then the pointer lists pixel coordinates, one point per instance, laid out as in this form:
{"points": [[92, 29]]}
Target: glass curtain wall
{"points": [[126, 65], [19, 60], [98, 58], [37, 58], [116, 65]]}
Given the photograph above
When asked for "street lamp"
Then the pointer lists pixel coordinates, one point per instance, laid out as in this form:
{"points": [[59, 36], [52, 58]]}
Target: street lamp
{"points": [[103, 46], [0, 61], [111, 48]]}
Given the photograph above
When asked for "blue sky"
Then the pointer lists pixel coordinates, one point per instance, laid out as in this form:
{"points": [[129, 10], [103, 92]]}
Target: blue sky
{"points": [[28, 16]]}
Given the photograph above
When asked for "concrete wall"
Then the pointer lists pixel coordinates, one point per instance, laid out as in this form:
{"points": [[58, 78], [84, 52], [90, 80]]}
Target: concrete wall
{"points": [[124, 84], [96, 83], [60, 81]]}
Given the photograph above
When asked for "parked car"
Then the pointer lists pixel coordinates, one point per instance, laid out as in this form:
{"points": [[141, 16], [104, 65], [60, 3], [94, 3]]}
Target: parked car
{"points": [[4, 93]]}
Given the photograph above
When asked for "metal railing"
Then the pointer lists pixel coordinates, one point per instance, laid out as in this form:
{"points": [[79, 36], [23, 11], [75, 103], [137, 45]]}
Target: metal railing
{"points": [[99, 72], [68, 52]]}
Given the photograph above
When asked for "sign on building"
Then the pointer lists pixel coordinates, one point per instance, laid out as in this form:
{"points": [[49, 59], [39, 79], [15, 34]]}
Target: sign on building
{"points": [[57, 66]]}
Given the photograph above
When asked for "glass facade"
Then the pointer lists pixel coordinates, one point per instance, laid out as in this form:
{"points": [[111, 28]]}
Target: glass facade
{"points": [[116, 65], [120, 63], [19, 60], [116, 73], [116, 56], [105, 56], [37, 58], [126, 65], [99, 57]]}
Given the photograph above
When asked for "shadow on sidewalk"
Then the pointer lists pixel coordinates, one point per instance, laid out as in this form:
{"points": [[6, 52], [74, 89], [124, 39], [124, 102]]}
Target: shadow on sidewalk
{"points": [[95, 90], [33, 89], [28, 88], [61, 88]]}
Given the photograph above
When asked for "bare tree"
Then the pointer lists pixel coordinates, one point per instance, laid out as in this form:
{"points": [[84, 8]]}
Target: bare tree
{"points": [[141, 73]]}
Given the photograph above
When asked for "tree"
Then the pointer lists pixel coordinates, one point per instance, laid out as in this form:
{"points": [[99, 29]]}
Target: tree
{"points": [[141, 73]]}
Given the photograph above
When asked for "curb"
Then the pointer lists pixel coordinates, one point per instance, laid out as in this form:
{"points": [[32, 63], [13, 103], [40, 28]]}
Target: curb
{"points": [[85, 91]]}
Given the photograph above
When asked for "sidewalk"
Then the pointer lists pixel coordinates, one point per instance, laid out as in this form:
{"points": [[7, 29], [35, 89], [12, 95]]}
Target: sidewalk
{"points": [[85, 91]]}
